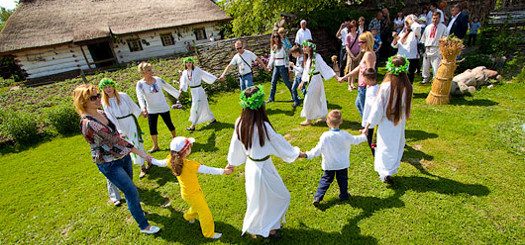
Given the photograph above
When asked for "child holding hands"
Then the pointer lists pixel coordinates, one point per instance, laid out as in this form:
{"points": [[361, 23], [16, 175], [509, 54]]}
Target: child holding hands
{"points": [[372, 89], [186, 172], [334, 146]]}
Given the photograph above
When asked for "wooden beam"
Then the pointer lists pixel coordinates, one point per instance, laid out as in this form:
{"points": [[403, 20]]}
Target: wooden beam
{"points": [[85, 57]]}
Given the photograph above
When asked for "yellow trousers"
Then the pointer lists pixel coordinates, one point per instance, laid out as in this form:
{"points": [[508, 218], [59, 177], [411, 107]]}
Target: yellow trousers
{"points": [[199, 210]]}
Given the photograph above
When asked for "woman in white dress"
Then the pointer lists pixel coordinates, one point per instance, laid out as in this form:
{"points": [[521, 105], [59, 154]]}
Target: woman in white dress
{"points": [[192, 77], [390, 112], [253, 142], [123, 113], [315, 70]]}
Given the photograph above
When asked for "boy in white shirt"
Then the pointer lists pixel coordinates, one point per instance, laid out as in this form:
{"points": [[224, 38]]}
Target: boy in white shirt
{"points": [[334, 146]]}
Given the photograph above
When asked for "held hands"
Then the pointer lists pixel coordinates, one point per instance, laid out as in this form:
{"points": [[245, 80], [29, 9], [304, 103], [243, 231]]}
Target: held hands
{"points": [[145, 113], [300, 85], [364, 131], [228, 171], [221, 77], [302, 155]]}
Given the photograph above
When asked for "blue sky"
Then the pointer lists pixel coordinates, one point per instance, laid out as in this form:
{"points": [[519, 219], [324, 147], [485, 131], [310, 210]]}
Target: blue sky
{"points": [[8, 4]]}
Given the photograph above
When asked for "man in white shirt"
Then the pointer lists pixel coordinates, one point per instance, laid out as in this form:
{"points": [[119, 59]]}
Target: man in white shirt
{"points": [[244, 60], [341, 34], [303, 34], [430, 39], [433, 9]]}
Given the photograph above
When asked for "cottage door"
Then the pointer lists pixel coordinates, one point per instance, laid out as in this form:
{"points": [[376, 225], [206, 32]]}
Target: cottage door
{"points": [[102, 54]]}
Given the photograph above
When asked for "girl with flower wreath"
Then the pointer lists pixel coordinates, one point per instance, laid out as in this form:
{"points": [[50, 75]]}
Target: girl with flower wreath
{"points": [[390, 111], [192, 77], [253, 142], [315, 70], [123, 113]]}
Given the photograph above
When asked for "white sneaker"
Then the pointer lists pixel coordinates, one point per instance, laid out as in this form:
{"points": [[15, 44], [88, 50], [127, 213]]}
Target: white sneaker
{"points": [[152, 230], [217, 235]]}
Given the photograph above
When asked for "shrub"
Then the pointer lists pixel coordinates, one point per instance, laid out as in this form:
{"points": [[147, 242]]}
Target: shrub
{"points": [[474, 60], [64, 119], [20, 127]]}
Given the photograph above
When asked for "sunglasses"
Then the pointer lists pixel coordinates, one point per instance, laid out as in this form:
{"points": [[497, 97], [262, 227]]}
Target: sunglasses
{"points": [[361, 42], [94, 97], [239, 48], [275, 36]]}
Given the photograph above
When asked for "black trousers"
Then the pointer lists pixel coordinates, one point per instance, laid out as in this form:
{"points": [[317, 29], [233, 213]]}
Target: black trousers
{"points": [[369, 138], [154, 118], [327, 179], [414, 65]]}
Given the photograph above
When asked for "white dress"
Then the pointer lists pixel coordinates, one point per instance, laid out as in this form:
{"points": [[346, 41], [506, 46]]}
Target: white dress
{"points": [[266, 195], [370, 98], [125, 117], [200, 110], [315, 100], [390, 137]]}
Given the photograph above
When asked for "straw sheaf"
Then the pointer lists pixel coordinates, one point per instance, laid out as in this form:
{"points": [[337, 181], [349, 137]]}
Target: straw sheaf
{"points": [[38, 23]]}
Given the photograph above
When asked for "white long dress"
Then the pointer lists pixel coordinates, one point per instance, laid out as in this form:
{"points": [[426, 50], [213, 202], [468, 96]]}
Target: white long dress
{"points": [[200, 110], [266, 195], [390, 137], [315, 100], [123, 115]]}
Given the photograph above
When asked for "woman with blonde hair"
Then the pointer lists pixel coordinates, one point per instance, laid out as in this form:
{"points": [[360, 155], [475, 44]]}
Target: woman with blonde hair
{"points": [[366, 43], [109, 150], [153, 102]]}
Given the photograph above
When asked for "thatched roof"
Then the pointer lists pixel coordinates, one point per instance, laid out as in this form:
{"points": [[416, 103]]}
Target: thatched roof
{"points": [[38, 23]]}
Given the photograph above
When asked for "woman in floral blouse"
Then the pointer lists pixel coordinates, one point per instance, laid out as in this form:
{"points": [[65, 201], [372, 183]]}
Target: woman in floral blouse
{"points": [[109, 150]]}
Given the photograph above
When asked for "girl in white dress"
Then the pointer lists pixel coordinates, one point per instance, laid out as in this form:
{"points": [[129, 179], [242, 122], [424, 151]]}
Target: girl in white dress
{"points": [[253, 142], [390, 112], [192, 77], [315, 70], [123, 113]]}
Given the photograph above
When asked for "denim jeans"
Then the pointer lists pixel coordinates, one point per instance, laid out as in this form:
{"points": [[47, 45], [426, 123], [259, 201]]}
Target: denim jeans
{"points": [[360, 99], [295, 95], [246, 81], [120, 173], [279, 71], [327, 179]]}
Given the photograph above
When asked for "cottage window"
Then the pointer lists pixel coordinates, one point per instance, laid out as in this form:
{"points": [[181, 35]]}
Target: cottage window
{"points": [[134, 45], [200, 33], [167, 39]]}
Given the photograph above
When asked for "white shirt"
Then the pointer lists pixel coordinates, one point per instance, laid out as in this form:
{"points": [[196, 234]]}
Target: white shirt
{"points": [[298, 68], [441, 31], [151, 96], [334, 146], [303, 35], [203, 169], [452, 22], [371, 94], [249, 57], [343, 33], [409, 48], [277, 58]]}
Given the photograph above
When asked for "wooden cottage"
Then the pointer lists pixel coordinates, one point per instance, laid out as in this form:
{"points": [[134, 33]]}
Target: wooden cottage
{"points": [[49, 37]]}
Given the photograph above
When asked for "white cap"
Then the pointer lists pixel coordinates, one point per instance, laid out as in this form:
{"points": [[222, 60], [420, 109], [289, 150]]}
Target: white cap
{"points": [[303, 21], [178, 143]]}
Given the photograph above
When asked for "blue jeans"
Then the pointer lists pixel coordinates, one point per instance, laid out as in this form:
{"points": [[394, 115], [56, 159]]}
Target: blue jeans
{"points": [[246, 81], [279, 71], [328, 178], [120, 173], [360, 99], [295, 95]]}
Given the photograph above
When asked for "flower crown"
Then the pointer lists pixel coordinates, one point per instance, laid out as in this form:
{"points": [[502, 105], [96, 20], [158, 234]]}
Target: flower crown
{"points": [[253, 102], [188, 60], [395, 70], [106, 82], [308, 44]]}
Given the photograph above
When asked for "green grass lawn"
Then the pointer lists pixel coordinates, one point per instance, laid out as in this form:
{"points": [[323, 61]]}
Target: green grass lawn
{"points": [[461, 181]]}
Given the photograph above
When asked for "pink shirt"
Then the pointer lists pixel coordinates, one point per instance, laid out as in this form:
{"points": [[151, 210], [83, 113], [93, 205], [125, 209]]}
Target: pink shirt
{"points": [[350, 40], [361, 79]]}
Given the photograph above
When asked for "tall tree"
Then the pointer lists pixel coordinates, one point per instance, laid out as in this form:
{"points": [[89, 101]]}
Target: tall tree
{"points": [[4, 15]]}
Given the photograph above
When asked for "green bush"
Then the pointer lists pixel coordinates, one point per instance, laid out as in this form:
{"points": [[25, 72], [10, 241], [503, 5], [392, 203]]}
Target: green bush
{"points": [[64, 119], [20, 127], [474, 60]]}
